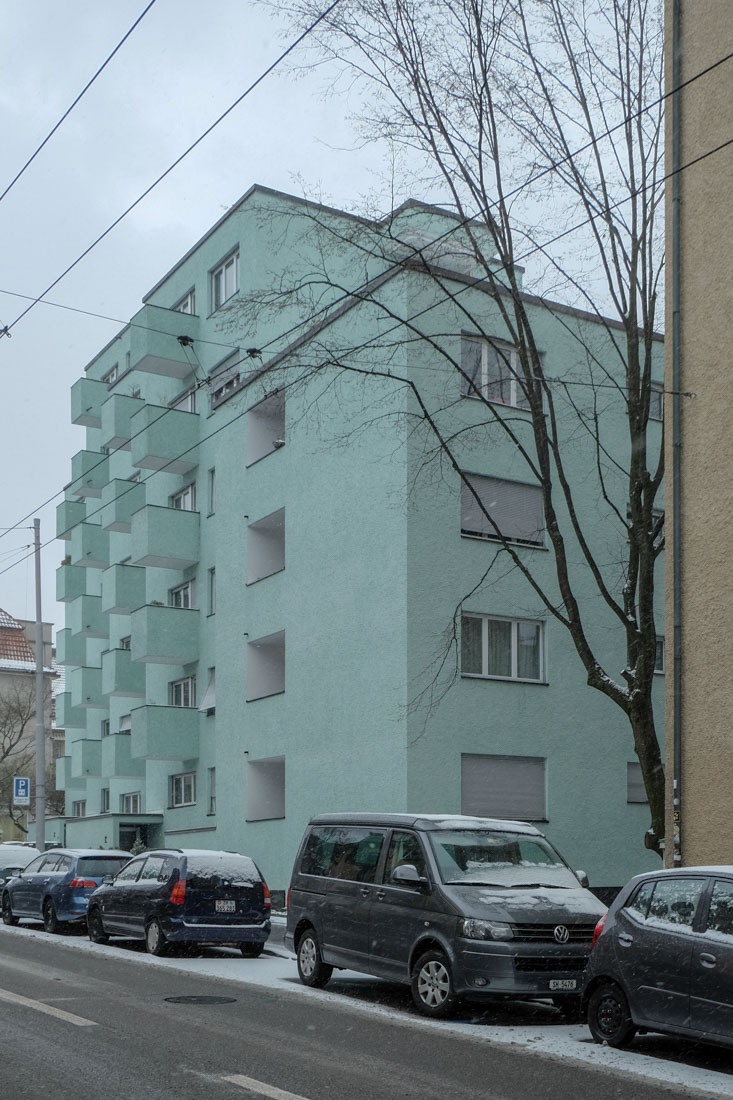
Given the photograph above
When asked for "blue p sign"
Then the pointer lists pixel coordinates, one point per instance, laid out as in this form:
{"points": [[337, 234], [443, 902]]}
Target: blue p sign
{"points": [[21, 791]]}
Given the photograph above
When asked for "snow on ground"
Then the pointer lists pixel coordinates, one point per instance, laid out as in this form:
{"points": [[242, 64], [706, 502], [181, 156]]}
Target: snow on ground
{"points": [[276, 970]]}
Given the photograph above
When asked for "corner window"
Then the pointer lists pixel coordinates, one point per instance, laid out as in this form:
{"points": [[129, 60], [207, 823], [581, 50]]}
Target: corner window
{"points": [[508, 787], [181, 595], [491, 369], [185, 499], [112, 375], [186, 402], [507, 649], [225, 281], [182, 693], [187, 303], [183, 789], [508, 510], [225, 378], [126, 642]]}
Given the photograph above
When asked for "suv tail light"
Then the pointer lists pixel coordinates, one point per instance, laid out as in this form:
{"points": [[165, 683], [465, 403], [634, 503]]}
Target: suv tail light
{"points": [[266, 891], [178, 893], [83, 884], [597, 930]]}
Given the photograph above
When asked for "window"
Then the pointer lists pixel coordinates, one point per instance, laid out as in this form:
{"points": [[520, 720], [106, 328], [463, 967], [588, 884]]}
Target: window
{"points": [[266, 789], [154, 869], [212, 491], [104, 801], [225, 281], [343, 852], [130, 802], [187, 303], [105, 727], [212, 591], [208, 703], [79, 809], [492, 370], [510, 649], [183, 789], [185, 500], [265, 427], [516, 510], [656, 401], [659, 656], [182, 693], [132, 870], [671, 900], [510, 787], [225, 378], [635, 789], [186, 402], [126, 642], [720, 914], [212, 790], [404, 848], [181, 595], [266, 546], [112, 374], [125, 723], [266, 666]]}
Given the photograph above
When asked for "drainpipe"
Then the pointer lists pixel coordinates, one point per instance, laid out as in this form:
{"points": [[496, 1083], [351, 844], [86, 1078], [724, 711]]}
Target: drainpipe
{"points": [[676, 426]]}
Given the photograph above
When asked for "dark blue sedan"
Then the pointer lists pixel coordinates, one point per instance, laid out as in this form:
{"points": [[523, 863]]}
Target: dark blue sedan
{"points": [[55, 887]]}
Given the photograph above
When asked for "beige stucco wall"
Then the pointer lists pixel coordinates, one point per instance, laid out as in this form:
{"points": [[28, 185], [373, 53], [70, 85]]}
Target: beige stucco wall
{"points": [[706, 480]]}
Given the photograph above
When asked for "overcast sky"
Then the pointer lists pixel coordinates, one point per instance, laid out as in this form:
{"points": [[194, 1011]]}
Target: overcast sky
{"points": [[184, 64]]}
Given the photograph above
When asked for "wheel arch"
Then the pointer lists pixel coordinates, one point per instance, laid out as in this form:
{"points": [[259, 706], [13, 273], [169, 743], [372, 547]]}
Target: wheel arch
{"points": [[425, 944]]}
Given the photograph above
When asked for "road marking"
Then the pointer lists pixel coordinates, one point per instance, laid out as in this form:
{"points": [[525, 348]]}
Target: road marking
{"points": [[261, 1088], [38, 1006]]}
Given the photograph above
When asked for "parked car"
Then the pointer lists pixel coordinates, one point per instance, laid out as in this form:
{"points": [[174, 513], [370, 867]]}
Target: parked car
{"points": [[662, 959], [55, 887], [176, 895], [453, 906], [14, 856]]}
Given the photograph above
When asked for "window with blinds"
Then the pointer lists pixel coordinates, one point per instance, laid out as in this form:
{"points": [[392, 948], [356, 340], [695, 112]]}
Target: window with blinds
{"points": [[504, 510], [507, 787]]}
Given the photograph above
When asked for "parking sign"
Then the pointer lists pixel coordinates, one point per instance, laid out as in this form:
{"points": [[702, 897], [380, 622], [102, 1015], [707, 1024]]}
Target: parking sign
{"points": [[21, 791]]}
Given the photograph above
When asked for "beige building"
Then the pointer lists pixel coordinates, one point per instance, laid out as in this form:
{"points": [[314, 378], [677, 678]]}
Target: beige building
{"points": [[698, 432]]}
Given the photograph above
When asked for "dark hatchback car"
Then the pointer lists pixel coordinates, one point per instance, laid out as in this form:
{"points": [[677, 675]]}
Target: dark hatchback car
{"points": [[174, 895], [663, 959], [56, 886]]}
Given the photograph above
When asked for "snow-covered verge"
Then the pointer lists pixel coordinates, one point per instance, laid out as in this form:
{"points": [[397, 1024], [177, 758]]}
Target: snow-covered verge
{"points": [[276, 970]]}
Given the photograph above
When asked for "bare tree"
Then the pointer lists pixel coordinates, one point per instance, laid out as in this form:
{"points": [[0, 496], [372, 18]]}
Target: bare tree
{"points": [[540, 123], [17, 723]]}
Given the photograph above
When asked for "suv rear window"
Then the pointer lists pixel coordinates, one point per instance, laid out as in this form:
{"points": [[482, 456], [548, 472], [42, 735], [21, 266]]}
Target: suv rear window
{"points": [[202, 870], [100, 866]]}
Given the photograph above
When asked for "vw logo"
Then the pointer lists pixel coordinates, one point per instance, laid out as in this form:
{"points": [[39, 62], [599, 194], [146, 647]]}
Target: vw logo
{"points": [[561, 934]]}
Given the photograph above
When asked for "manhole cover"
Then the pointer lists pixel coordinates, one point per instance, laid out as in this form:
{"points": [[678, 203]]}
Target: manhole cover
{"points": [[201, 1000]]}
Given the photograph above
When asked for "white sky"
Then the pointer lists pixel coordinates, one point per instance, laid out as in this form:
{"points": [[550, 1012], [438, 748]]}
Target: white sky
{"points": [[181, 68]]}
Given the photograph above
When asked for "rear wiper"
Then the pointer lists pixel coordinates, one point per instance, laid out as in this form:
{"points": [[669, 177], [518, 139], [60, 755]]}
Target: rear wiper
{"points": [[473, 882]]}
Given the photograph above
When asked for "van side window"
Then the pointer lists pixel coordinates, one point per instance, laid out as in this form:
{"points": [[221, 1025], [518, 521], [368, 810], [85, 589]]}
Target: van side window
{"points": [[404, 848], [342, 852]]}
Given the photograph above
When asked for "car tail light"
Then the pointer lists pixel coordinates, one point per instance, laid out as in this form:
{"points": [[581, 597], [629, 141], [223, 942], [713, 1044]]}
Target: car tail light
{"points": [[83, 884], [178, 893], [266, 890], [597, 930]]}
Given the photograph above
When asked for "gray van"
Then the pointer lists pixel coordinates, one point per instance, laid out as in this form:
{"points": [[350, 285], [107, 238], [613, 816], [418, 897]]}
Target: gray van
{"points": [[453, 906]]}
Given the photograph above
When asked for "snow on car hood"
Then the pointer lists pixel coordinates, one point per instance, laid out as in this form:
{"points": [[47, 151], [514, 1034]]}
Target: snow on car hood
{"points": [[537, 905]]}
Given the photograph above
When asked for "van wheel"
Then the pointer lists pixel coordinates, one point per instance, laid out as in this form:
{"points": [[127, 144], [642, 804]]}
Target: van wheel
{"points": [[155, 941], [95, 927], [609, 1016], [51, 922], [312, 970], [251, 950], [8, 917], [432, 985]]}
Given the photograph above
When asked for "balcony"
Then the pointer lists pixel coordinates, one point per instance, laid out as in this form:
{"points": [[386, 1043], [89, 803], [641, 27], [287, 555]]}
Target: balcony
{"points": [[69, 513], [69, 717], [121, 676], [123, 589], [120, 499], [89, 546], [86, 757], [165, 733], [89, 473], [117, 411], [87, 395], [71, 582], [165, 538], [86, 618], [71, 649], [65, 781], [165, 439], [165, 635], [154, 341], [85, 685], [116, 758]]}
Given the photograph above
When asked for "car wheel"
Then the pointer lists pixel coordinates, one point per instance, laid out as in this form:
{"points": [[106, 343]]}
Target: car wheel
{"points": [[8, 917], [155, 941], [95, 927], [312, 970], [609, 1017], [571, 1008], [51, 922], [251, 950], [432, 985]]}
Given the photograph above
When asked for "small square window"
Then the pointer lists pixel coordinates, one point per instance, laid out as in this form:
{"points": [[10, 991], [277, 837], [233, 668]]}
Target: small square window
{"points": [[507, 649], [79, 809], [492, 370], [185, 499], [130, 802], [183, 789], [181, 595], [182, 693], [225, 281]]}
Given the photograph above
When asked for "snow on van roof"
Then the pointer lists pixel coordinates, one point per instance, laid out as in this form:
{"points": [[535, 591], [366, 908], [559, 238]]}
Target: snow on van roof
{"points": [[426, 821]]}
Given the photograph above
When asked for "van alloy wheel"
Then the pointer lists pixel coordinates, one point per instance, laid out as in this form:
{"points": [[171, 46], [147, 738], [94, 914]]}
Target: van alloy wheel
{"points": [[432, 985], [311, 968]]}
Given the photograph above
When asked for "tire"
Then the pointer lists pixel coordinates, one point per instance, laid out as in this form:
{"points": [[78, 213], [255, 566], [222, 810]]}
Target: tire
{"points": [[51, 922], [432, 985], [95, 927], [312, 970], [8, 917], [251, 950], [155, 941], [609, 1017], [571, 1007]]}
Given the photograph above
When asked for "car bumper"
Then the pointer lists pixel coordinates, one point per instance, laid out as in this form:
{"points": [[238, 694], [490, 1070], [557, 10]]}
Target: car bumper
{"points": [[527, 970], [181, 931]]}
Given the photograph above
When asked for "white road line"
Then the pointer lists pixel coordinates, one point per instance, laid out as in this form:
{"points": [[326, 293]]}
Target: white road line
{"points": [[261, 1088], [38, 1006]]}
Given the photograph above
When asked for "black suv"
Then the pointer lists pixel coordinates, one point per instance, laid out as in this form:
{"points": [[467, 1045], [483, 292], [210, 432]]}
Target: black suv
{"points": [[176, 895]]}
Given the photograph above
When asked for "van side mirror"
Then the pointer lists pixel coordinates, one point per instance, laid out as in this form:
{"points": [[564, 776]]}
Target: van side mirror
{"points": [[582, 879], [407, 875]]}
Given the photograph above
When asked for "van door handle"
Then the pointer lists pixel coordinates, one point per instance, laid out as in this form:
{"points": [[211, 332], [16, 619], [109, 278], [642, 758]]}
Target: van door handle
{"points": [[364, 892], [381, 895], [625, 939], [707, 960]]}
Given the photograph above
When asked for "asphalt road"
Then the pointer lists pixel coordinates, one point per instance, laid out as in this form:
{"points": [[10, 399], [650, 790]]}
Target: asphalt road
{"points": [[89, 1026]]}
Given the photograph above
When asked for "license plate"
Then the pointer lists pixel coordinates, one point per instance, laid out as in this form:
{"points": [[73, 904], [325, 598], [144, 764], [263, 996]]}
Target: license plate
{"points": [[229, 907], [558, 984]]}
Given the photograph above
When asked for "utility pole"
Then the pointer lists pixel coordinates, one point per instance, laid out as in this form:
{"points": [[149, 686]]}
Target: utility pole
{"points": [[40, 807]]}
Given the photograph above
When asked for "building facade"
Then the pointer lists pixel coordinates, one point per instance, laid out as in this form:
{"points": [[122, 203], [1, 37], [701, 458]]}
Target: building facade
{"points": [[282, 602]]}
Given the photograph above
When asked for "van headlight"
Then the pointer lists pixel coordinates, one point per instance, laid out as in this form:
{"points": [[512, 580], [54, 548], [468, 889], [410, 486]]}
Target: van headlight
{"points": [[485, 929]]}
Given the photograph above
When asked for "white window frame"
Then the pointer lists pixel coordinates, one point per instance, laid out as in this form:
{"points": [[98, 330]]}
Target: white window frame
{"points": [[490, 489], [112, 374], [182, 595], [212, 791], [105, 727], [511, 372], [225, 377], [130, 802], [182, 789], [514, 643], [79, 808], [104, 801], [225, 281], [185, 499], [186, 304], [182, 693]]}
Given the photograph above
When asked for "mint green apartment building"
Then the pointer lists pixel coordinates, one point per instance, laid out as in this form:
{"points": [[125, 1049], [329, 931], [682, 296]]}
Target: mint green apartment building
{"points": [[280, 601]]}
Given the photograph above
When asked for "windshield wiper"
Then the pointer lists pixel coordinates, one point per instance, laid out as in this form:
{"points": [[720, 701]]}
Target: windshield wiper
{"points": [[538, 885], [474, 882]]}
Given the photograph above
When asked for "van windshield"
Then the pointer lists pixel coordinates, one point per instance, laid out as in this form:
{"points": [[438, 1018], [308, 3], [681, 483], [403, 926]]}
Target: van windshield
{"points": [[471, 857]]}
